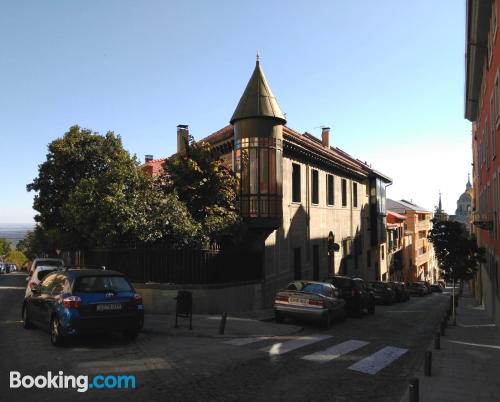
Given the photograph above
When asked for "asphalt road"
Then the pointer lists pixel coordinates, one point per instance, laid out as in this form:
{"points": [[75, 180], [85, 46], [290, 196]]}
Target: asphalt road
{"points": [[209, 369]]}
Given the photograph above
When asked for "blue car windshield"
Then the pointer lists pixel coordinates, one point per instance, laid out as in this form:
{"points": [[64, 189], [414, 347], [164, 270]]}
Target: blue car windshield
{"points": [[96, 284]]}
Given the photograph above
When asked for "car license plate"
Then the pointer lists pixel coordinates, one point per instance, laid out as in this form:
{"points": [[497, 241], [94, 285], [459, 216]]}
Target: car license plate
{"points": [[296, 300], [108, 307]]}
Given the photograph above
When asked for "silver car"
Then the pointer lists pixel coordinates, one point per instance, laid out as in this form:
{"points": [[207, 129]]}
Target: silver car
{"points": [[309, 300]]}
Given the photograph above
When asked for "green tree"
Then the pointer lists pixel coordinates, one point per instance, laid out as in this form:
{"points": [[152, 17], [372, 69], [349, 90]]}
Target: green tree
{"points": [[207, 187], [4, 246], [91, 192], [457, 253], [16, 257]]}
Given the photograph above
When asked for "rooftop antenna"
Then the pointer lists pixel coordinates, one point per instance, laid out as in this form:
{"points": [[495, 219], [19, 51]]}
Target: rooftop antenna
{"points": [[258, 57]]}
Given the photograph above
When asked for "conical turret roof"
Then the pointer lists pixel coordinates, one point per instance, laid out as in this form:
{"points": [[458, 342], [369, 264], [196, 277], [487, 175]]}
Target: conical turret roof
{"points": [[258, 99]]}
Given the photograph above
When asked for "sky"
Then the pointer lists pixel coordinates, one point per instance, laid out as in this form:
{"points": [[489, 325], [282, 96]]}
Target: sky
{"points": [[387, 77]]}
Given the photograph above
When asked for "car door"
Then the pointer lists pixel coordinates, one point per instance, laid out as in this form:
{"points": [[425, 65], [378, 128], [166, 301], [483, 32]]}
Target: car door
{"points": [[35, 300], [50, 297]]}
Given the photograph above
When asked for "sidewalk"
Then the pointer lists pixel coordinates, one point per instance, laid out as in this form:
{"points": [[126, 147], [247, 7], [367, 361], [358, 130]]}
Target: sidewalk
{"points": [[237, 325], [467, 365]]}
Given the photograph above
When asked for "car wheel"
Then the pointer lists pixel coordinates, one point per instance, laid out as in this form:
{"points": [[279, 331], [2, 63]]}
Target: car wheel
{"points": [[27, 324], [371, 308], [327, 320], [278, 317], [56, 337], [131, 335]]}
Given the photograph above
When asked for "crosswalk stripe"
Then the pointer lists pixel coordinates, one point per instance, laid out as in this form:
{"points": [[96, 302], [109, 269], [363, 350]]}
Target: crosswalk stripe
{"points": [[285, 347], [377, 361], [245, 341], [335, 351]]}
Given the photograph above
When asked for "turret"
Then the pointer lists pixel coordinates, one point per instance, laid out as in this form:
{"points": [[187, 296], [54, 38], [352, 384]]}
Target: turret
{"points": [[258, 143]]}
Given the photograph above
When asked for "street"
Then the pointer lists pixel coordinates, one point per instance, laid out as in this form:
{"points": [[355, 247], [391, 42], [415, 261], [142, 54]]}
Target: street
{"points": [[196, 368]]}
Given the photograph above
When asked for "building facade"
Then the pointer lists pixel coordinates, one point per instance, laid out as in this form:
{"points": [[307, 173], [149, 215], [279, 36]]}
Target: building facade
{"points": [[311, 208], [399, 248], [482, 108], [463, 212], [422, 262]]}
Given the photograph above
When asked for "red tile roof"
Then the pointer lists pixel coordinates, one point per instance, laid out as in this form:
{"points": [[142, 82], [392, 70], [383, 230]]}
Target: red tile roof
{"points": [[226, 133]]}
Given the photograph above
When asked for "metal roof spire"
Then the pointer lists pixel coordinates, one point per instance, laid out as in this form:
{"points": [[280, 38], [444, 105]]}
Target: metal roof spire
{"points": [[258, 99]]}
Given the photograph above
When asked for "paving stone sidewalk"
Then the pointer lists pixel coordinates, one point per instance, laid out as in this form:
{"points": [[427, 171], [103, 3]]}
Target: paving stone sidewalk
{"points": [[204, 325], [467, 365]]}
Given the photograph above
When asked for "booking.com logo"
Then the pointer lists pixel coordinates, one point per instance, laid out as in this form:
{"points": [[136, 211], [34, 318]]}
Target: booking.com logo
{"points": [[81, 383]]}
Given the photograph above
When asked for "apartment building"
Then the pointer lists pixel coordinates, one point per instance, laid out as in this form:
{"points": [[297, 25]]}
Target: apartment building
{"points": [[482, 108], [422, 262]]}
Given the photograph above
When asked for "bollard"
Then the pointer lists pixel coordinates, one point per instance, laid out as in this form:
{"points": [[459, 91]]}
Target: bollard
{"points": [[437, 340], [442, 326], [413, 390], [222, 326], [428, 363]]}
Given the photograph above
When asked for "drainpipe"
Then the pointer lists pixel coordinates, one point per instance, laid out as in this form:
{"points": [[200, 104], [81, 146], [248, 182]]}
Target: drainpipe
{"points": [[308, 214]]}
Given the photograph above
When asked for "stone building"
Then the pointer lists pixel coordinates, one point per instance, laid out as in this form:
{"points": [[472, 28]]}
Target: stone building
{"points": [[399, 248], [464, 207], [312, 209]]}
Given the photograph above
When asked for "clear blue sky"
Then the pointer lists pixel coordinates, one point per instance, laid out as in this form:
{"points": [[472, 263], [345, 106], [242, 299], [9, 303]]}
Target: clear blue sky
{"points": [[387, 76]]}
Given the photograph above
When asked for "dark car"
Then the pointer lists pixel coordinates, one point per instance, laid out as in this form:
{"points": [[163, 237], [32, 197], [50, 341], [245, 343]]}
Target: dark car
{"points": [[427, 286], [309, 300], [402, 292], [418, 289], [356, 294], [79, 301], [383, 292], [436, 287]]}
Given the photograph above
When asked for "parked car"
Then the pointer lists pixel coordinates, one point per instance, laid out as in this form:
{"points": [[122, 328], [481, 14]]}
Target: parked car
{"points": [[427, 286], [402, 292], [79, 301], [37, 276], [57, 262], [2, 268], [436, 287], [383, 292], [309, 300], [417, 289], [356, 294]]}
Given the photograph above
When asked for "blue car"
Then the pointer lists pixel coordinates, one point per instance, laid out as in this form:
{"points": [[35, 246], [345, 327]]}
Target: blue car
{"points": [[81, 301]]}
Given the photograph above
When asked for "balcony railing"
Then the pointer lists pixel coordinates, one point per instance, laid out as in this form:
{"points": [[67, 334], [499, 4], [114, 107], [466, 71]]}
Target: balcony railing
{"points": [[483, 220]]}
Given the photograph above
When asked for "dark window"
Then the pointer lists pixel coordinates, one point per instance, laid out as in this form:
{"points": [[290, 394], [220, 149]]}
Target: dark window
{"points": [[355, 194], [382, 251], [315, 262], [91, 284], [329, 190], [344, 192], [314, 187], [297, 268], [295, 182]]}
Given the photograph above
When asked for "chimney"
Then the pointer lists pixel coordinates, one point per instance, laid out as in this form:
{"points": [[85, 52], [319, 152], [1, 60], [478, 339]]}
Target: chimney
{"points": [[325, 136], [182, 136], [148, 158]]}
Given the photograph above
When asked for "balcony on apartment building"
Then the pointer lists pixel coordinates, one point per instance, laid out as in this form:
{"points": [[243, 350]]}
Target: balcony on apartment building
{"points": [[483, 220]]}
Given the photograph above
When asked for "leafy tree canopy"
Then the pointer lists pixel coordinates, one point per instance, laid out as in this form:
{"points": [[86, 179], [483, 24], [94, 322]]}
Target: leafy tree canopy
{"points": [[458, 253], [16, 257], [4, 246], [207, 187], [91, 192]]}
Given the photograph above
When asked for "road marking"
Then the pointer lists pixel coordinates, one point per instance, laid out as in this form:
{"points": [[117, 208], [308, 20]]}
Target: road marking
{"points": [[377, 361], [246, 341], [12, 287], [285, 347], [335, 351]]}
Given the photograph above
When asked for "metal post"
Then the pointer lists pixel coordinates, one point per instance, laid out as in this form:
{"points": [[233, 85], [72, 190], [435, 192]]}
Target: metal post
{"points": [[413, 390], [222, 323], [441, 328], [453, 305], [428, 363], [437, 340]]}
